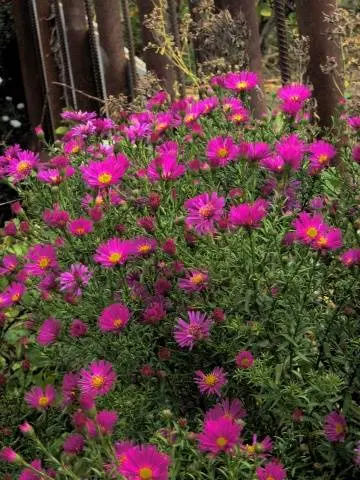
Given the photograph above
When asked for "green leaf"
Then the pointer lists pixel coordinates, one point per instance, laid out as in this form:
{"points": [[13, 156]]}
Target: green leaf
{"points": [[266, 11]]}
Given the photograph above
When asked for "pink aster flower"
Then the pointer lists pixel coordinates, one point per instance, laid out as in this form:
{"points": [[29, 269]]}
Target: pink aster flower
{"points": [[74, 444], [211, 383], [249, 214], [244, 359], [350, 257], [121, 449], [114, 318], [219, 436], [240, 81], [203, 211], [15, 291], [5, 300], [273, 163], [321, 154], [254, 151], [9, 264], [159, 98], [328, 239], [145, 462], [106, 420], [22, 165], [231, 104], [271, 471], [114, 252], [143, 245], [195, 281], [41, 398], [9, 455], [354, 122], [98, 379], [42, 258], [29, 474], [221, 150], [293, 97], [69, 388], [238, 116], [48, 332], [356, 153], [56, 217], [308, 227], [80, 227], [51, 176], [106, 172], [192, 113], [78, 328], [335, 427], [165, 167], [258, 449], [187, 334], [291, 149], [77, 116], [227, 409], [154, 312], [162, 121], [77, 277], [209, 104]]}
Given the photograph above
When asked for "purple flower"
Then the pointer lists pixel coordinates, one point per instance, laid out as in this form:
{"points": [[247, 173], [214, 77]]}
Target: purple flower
{"points": [[335, 427], [203, 211], [187, 334], [72, 281]]}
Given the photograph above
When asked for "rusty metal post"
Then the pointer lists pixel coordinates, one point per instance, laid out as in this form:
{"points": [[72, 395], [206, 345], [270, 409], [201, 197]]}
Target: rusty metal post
{"points": [[155, 62], [281, 30], [327, 87], [248, 9], [108, 17], [30, 69], [80, 54], [53, 92]]}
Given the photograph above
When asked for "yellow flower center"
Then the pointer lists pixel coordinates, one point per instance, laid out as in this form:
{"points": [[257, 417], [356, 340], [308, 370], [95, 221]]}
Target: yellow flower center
{"points": [[55, 178], [80, 230], [197, 278], [245, 362], [97, 381], [207, 211], [99, 200], [221, 442], [23, 166], [2, 299], [15, 297], [210, 380], [43, 401], [323, 158], [158, 127], [312, 232], [44, 262], [75, 149], [146, 473], [242, 85], [250, 449], [118, 322], [222, 152], [322, 241], [226, 107], [105, 178], [294, 98], [190, 117], [270, 477], [339, 428], [238, 117], [115, 257], [144, 248]]}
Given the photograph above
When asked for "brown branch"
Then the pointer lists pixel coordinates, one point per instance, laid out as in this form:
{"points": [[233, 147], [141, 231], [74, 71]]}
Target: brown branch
{"points": [[79, 91]]}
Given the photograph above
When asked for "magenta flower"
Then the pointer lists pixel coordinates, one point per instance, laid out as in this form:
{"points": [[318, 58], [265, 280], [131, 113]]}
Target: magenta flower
{"points": [[209, 104], [15, 291], [258, 449], [248, 214], [26, 429], [231, 104], [354, 122], [254, 151], [219, 436], [240, 81], [48, 332], [291, 149], [73, 280], [42, 257], [78, 328], [114, 318], [143, 245], [114, 252], [98, 379], [227, 409], [80, 227], [77, 116], [69, 388], [321, 154], [120, 450], [51, 176], [192, 113], [308, 227], [22, 165], [5, 300], [273, 471], [162, 121], [187, 334], [221, 150], [9, 455], [106, 420], [74, 444], [293, 97], [356, 153], [241, 115], [165, 167], [328, 239], [195, 281], [9, 264], [40, 398], [56, 218], [350, 257], [145, 462], [273, 163], [203, 211], [244, 359], [154, 312], [211, 383], [335, 427], [106, 172]]}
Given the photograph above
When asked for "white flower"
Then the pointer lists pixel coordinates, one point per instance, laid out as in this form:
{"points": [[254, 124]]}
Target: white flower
{"points": [[4, 118], [20, 106], [8, 99], [15, 123]]}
